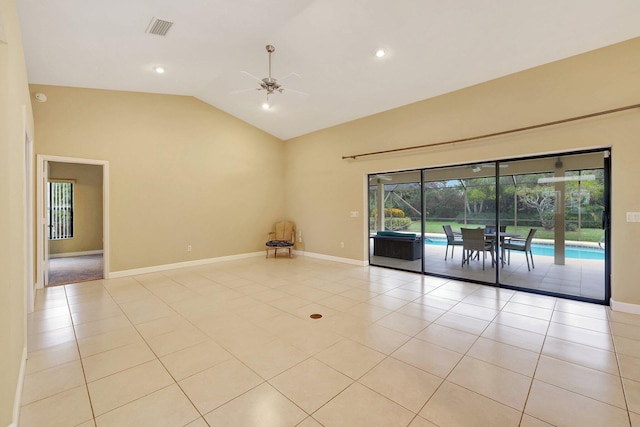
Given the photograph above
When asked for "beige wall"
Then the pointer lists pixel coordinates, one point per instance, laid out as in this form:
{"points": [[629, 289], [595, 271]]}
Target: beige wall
{"points": [[322, 189], [87, 212], [181, 172], [14, 99]]}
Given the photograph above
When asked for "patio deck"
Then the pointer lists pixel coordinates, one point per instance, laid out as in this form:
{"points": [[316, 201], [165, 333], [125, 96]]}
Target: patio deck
{"points": [[578, 277]]}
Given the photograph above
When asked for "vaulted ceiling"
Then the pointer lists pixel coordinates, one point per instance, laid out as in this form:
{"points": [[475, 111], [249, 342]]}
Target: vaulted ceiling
{"points": [[432, 47]]}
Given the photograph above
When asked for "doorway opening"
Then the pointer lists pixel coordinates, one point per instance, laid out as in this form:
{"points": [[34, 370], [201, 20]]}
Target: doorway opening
{"points": [[64, 270], [73, 235]]}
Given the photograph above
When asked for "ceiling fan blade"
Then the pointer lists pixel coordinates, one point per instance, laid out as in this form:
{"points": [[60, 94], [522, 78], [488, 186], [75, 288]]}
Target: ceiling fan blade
{"points": [[288, 76], [235, 92], [382, 177], [248, 74], [294, 91], [491, 165]]}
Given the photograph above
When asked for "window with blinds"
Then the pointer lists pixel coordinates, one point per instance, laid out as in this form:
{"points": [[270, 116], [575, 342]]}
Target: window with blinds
{"points": [[60, 210]]}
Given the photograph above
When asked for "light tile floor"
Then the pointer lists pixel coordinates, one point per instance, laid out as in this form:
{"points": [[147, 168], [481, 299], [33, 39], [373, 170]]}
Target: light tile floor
{"points": [[232, 344]]}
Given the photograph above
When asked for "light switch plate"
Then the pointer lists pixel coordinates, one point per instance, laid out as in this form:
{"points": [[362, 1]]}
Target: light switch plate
{"points": [[633, 216]]}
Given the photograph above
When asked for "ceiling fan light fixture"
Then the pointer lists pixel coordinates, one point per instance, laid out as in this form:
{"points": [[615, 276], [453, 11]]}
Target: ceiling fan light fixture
{"points": [[270, 84], [266, 105]]}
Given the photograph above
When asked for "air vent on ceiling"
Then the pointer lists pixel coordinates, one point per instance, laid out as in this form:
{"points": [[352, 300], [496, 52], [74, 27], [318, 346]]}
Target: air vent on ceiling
{"points": [[158, 27]]}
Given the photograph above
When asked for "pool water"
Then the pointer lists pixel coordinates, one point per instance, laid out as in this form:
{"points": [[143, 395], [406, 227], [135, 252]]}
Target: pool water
{"points": [[578, 252]]}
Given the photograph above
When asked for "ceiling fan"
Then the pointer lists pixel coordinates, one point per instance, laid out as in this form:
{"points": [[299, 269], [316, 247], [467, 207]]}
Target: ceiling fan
{"points": [[478, 168], [270, 84], [378, 177]]}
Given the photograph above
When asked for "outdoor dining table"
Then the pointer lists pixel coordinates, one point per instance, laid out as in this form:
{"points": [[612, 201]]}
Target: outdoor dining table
{"points": [[503, 235]]}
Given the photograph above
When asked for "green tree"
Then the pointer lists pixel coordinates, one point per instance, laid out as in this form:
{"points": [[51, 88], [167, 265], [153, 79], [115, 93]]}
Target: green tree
{"points": [[480, 192]]}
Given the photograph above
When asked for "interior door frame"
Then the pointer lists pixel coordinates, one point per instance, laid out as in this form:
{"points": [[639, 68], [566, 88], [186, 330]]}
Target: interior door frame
{"points": [[29, 212], [41, 194], [606, 225]]}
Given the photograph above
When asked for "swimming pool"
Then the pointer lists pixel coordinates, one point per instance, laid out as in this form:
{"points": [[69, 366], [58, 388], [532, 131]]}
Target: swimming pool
{"points": [[578, 252]]}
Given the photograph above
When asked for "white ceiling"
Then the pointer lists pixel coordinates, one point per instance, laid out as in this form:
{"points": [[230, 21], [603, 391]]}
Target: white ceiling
{"points": [[434, 47]]}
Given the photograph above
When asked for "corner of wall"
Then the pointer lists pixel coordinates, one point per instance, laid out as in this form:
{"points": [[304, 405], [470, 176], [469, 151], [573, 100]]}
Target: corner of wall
{"points": [[17, 401]]}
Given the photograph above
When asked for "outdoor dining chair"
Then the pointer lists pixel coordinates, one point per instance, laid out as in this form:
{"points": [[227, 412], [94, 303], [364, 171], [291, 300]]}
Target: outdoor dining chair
{"points": [[453, 240], [473, 240], [522, 245]]}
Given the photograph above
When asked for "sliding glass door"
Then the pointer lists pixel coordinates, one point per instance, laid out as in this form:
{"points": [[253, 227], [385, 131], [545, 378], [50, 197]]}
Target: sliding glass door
{"points": [[395, 228], [559, 204], [458, 198], [543, 223]]}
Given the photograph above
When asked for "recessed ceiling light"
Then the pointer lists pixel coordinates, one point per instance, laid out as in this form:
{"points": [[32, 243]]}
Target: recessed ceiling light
{"points": [[380, 53], [159, 70]]}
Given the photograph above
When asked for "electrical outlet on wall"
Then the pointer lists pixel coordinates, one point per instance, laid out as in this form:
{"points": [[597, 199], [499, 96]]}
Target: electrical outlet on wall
{"points": [[189, 248]]}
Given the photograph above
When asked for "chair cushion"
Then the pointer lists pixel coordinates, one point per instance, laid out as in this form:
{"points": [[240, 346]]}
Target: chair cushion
{"points": [[397, 235], [279, 243], [514, 245]]}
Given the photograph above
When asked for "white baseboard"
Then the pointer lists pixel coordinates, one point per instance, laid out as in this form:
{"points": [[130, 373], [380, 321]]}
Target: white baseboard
{"points": [[165, 267], [333, 258], [199, 262], [624, 307], [17, 401], [72, 254]]}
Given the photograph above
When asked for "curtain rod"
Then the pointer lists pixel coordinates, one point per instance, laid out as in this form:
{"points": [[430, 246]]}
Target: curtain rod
{"points": [[489, 135]]}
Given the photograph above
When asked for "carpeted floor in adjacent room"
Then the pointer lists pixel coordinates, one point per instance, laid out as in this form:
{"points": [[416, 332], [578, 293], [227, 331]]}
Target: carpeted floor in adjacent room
{"points": [[75, 269]]}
